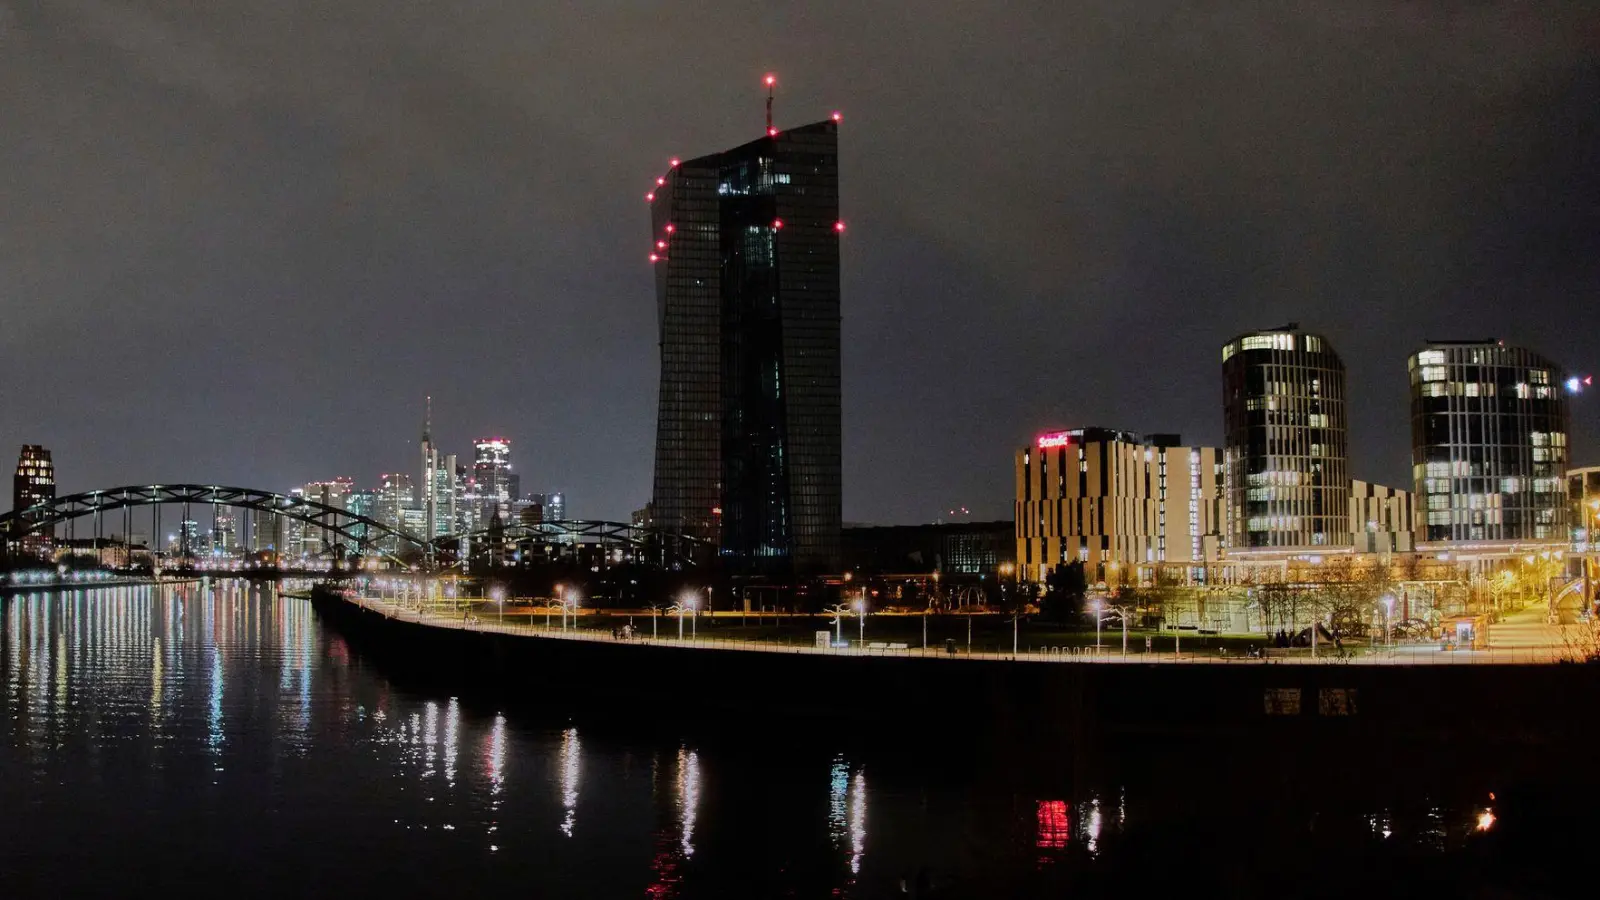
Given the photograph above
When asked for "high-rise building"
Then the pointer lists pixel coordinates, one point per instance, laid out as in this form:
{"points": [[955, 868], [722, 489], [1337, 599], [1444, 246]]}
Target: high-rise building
{"points": [[555, 507], [35, 478], [395, 496], [438, 487], [1287, 481], [335, 493], [746, 250], [224, 534], [34, 482], [1489, 443], [491, 477], [1117, 502]]}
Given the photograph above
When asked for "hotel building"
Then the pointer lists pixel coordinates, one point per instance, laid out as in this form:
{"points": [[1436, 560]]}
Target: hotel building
{"points": [[1118, 502]]}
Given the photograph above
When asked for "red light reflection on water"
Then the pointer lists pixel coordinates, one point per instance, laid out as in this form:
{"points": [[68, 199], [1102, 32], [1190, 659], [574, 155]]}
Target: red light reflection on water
{"points": [[1054, 825]]}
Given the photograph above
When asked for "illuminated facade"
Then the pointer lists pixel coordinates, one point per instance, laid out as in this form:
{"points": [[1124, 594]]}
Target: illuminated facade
{"points": [[746, 255], [438, 487], [1382, 519], [1287, 481], [1489, 443], [491, 478], [34, 482], [1583, 508], [1117, 502]]}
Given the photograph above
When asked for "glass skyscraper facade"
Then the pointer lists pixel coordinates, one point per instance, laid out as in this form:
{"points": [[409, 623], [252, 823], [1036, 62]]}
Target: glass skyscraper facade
{"points": [[747, 291], [1285, 461], [1489, 443]]}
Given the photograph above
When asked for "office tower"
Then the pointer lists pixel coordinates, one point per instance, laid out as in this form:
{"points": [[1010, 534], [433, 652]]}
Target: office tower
{"points": [[555, 507], [1287, 482], [746, 255], [335, 493], [1489, 443], [395, 496], [224, 534], [491, 476], [34, 482], [35, 478], [1120, 503], [438, 486]]}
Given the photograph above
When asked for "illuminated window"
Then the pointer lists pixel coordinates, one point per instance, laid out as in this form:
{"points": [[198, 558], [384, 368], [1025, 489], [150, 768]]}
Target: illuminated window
{"points": [[1431, 358]]}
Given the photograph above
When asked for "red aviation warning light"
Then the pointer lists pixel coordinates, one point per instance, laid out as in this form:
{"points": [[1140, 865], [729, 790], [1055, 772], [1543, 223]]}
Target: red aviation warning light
{"points": [[669, 228], [837, 116], [674, 162], [772, 132], [654, 258], [660, 182], [838, 226], [650, 197], [661, 245], [776, 224]]}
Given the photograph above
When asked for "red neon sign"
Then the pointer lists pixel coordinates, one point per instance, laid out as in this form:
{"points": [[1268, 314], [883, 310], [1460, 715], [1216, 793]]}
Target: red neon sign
{"points": [[1055, 439]]}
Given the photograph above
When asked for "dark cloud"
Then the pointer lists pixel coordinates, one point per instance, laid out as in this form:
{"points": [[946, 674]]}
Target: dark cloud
{"points": [[238, 242]]}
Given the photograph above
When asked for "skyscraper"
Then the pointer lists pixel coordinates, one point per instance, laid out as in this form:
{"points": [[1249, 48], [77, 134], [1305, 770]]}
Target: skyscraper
{"points": [[438, 484], [1287, 481], [35, 478], [34, 482], [746, 249], [491, 477], [1488, 442]]}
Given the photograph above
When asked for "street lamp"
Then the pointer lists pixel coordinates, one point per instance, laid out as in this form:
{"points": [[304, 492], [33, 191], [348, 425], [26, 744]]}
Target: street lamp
{"points": [[1097, 625], [1388, 610], [838, 610], [861, 607]]}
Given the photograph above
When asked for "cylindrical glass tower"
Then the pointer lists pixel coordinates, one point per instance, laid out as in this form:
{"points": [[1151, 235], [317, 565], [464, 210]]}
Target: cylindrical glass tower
{"points": [[1488, 442], [1287, 480]]}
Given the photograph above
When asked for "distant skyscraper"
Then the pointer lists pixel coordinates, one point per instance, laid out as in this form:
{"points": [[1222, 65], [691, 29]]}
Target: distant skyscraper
{"points": [[491, 477], [33, 483], [1489, 443], [438, 485], [746, 250], [555, 506], [1284, 428], [35, 479]]}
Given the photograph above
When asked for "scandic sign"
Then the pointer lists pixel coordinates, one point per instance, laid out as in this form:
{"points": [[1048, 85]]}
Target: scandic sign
{"points": [[1056, 439]]}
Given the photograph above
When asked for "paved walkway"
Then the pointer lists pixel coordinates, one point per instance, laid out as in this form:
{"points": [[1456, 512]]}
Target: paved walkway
{"points": [[1519, 646]]}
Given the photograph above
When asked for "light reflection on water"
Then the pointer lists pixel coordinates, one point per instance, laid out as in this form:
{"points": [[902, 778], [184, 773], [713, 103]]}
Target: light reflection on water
{"points": [[200, 717]]}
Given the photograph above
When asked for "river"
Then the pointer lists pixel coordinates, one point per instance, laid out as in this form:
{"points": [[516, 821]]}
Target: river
{"points": [[217, 737]]}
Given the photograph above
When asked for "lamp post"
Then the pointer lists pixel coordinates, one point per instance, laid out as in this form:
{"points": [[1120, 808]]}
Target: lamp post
{"points": [[1388, 610], [838, 610], [1097, 625], [561, 589], [861, 607]]}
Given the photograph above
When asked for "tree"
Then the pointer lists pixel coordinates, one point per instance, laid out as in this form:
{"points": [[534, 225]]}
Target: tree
{"points": [[1066, 586]]}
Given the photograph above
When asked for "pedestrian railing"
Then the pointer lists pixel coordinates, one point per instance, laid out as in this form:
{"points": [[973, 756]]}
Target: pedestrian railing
{"points": [[1399, 655]]}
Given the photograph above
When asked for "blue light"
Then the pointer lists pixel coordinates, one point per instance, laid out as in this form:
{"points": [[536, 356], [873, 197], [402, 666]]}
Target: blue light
{"points": [[1574, 385]]}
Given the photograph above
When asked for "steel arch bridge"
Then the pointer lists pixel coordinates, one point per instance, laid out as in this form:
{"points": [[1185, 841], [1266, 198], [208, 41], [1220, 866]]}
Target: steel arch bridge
{"points": [[356, 529]]}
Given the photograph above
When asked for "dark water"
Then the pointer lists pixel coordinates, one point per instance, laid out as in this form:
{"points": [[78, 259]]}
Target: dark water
{"points": [[217, 738]]}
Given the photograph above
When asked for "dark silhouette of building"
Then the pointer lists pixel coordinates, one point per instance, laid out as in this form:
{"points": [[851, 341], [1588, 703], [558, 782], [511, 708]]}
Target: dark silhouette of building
{"points": [[968, 548], [746, 250], [1284, 461], [1489, 443]]}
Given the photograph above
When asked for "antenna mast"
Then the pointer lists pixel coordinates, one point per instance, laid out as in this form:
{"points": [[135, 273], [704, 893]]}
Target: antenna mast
{"points": [[772, 81]]}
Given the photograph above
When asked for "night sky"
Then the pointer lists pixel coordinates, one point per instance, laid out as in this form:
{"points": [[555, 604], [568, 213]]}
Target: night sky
{"points": [[240, 241]]}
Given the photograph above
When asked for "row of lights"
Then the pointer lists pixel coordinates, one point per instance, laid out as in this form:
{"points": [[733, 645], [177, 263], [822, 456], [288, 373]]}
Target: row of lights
{"points": [[661, 243]]}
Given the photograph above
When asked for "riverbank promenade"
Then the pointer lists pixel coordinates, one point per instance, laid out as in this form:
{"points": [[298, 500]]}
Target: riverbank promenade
{"points": [[1523, 639]]}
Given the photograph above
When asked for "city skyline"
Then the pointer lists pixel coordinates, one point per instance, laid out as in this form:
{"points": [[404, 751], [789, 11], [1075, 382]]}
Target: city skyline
{"points": [[982, 306]]}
